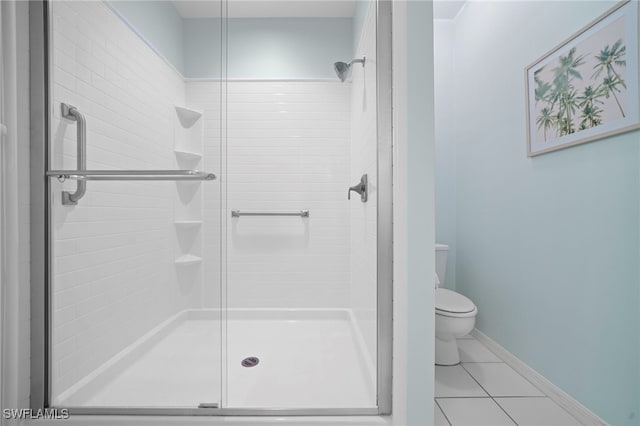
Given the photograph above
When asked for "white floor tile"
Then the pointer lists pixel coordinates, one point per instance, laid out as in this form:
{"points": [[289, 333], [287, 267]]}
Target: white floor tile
{"points": [[473, 351], [455, 381], [536, 412], [501, 380], [439, 418], [473, 412], [466, 336]]}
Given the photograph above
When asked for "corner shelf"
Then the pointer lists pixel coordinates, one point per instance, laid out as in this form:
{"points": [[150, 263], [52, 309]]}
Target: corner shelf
{"points": [[187, 116], [187, 148], [187, 155], [187, 190], [187, 224], [187, 260]]}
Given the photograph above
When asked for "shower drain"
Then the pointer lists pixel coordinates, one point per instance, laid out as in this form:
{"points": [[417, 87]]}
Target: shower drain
{"points": [[251, 361]]}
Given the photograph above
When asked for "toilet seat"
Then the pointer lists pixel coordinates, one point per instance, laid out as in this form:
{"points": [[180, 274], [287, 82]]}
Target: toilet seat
{"points": [[452, 304]]}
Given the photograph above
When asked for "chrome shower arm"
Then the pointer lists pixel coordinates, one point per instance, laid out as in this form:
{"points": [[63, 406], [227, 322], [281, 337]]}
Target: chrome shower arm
{"points": [[359, 61]]}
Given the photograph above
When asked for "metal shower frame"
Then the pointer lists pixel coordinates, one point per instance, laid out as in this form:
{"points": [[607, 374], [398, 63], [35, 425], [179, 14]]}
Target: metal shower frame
{"points": [[41, 248]]}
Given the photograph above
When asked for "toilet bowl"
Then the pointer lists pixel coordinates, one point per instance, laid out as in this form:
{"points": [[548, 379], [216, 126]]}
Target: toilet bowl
{"points": [[455, 314], [455, 317]]}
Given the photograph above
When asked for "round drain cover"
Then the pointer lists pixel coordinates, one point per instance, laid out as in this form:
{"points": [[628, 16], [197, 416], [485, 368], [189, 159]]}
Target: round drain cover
{"points": [[251, 361]]}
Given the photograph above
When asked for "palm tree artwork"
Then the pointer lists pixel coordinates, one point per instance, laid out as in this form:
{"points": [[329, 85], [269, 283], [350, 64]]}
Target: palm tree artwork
{"points": [[580, 89], [545, 121]]}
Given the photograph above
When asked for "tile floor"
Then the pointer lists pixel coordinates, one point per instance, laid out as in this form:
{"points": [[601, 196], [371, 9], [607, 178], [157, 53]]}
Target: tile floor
{"points": [[483, 390]]}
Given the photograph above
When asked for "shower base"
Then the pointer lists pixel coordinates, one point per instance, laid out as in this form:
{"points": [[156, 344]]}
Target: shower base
{"points": [[308, 358]]}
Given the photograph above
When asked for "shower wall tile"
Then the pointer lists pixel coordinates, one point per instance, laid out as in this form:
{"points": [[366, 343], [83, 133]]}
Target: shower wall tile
{"points": [[287, 150], [114, 277]]}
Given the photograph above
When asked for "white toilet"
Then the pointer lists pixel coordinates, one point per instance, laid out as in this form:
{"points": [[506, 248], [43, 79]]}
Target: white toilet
{"points": [[455, 314]]}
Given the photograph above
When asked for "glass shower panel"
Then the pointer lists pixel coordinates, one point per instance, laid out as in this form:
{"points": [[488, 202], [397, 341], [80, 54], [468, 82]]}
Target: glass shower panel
{"points": [[300, 293], [135, 242]]}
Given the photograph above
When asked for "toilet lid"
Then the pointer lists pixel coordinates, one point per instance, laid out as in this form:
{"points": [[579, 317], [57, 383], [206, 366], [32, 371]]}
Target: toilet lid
{"points": [[450, 301]]}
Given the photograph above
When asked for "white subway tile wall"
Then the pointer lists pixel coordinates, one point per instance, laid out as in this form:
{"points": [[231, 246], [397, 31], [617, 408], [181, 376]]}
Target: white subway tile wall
{"points": [[287, 150], [114, 276]]}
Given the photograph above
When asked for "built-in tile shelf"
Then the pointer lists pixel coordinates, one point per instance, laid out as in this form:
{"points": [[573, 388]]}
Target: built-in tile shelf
{"points": [[187, 155], [188, 134], [187, 148], [188, 259], [187, 116], [187, 189], [187, 224]]}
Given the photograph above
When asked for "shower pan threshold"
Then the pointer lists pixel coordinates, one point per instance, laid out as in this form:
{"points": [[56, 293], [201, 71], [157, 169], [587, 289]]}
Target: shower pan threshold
{"points": [[178, 363]]}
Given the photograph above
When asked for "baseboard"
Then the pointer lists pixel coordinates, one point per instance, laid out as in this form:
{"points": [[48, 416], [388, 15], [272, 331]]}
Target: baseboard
{"points": [[557, 395]]}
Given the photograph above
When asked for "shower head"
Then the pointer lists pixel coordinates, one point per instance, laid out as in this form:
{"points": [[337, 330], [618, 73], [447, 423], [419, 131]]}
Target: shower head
{"points": [[342, 68]]}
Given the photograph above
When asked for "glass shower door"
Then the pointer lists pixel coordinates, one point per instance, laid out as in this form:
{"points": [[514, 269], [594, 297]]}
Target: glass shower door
{"points": [[301, 257], [134, 281], [217, 248]]}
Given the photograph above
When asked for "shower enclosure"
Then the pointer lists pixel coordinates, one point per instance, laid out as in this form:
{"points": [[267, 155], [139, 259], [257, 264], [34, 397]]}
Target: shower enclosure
{"points": [[212, 181]]}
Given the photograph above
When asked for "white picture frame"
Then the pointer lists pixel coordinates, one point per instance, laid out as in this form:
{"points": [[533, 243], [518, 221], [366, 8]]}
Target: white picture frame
{"points": [[586, 88]]}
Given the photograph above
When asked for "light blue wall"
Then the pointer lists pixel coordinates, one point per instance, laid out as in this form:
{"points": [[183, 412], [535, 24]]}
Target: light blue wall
{"points": [[359, 16], [547, 247], [259, 48], [420, 213], [264, 48], [202, 47], [159, 24], [445, 144], [286, 47]]}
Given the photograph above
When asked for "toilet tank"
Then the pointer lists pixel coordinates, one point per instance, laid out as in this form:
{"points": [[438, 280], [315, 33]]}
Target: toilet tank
{"points": [[441, 262]]}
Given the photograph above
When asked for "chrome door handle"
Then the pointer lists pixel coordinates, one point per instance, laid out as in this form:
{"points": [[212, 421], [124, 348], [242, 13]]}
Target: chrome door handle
{"points": [[361, 188], [71, 113]]}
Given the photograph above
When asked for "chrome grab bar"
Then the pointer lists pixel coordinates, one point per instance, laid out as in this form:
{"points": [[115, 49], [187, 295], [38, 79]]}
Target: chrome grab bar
{"points": [[71, 113], [301, 213], [123, 175], [82, 175]]}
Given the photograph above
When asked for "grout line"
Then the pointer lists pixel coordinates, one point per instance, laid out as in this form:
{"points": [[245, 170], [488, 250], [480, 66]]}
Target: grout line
{"points": [[502, 362], [474, 379], [504, 411], [572, 407], [518, 373], [493, 398], [513, 397], [442, 411], [461, 397], [490, 396]]}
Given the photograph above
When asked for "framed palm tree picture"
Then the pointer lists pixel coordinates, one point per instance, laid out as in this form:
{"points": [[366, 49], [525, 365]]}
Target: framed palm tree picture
{"points": [[586, 88]]}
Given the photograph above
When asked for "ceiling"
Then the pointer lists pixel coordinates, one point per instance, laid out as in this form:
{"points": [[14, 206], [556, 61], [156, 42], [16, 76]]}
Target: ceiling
{"points": [[267, 8]]}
